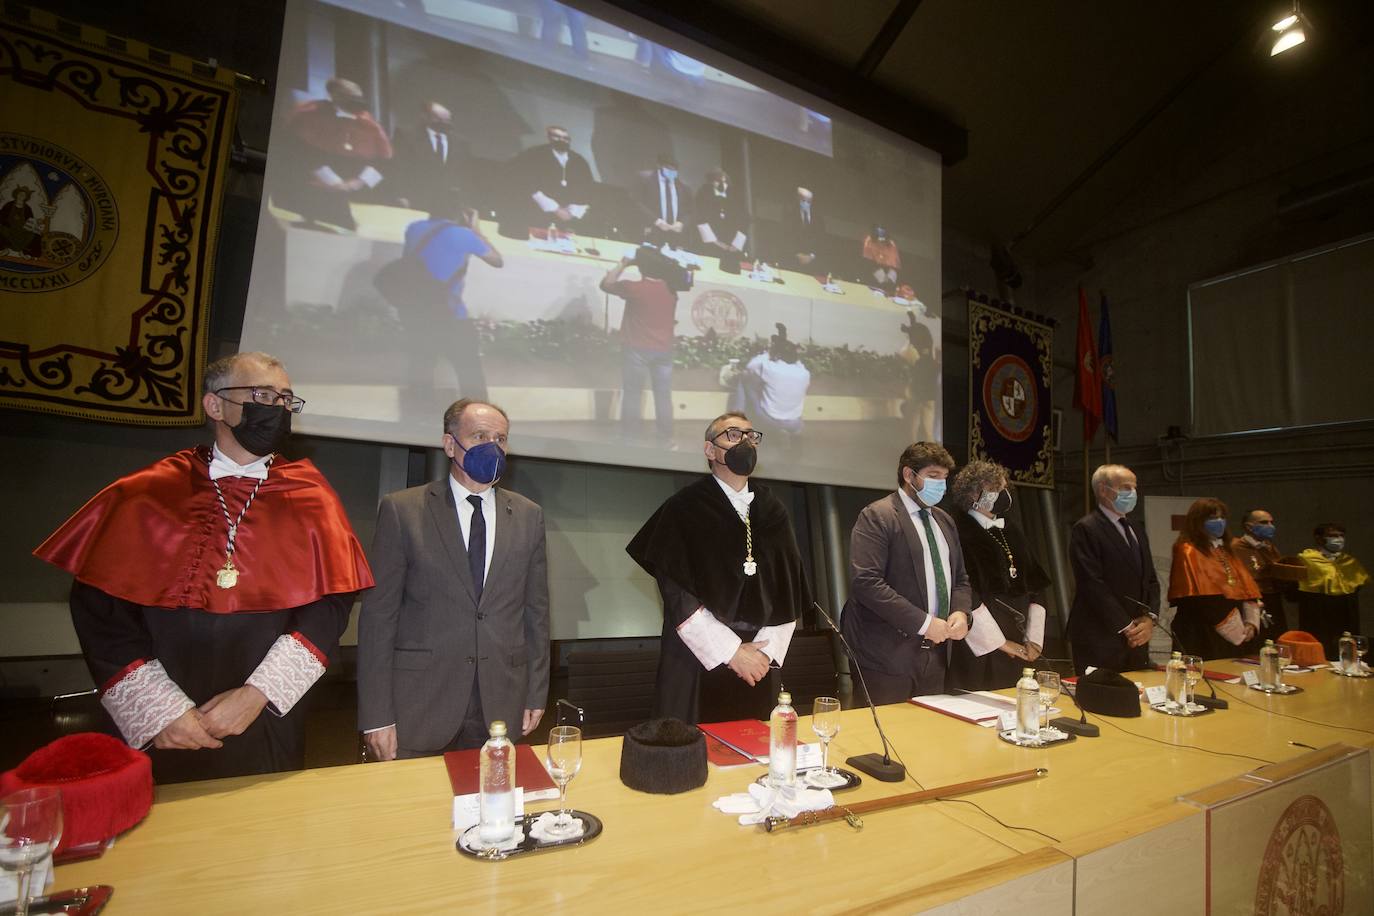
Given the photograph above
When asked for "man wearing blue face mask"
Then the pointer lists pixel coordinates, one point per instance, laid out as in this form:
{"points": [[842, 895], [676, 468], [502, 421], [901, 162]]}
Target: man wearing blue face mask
{"points": [[456, 634], [1255, 549], [908, 590], [665, 202], [1115, 586]]}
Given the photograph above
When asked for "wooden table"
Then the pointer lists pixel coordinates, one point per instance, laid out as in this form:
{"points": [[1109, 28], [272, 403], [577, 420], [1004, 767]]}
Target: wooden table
{"points": [[376, 838]]}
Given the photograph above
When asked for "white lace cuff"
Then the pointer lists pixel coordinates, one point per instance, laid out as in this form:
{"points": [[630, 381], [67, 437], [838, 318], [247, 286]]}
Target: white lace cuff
{"points": [[712, 642], [1035, 625], [984, 635], [287, 671], [144, 702]]}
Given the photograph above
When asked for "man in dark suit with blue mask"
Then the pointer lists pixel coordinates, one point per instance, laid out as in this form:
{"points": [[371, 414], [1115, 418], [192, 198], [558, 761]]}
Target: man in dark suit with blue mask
{"points": [[456, 634], [1116, 589], [908, 591]]}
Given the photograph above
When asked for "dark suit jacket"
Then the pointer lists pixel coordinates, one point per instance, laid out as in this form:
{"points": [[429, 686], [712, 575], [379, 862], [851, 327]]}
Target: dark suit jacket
{"points": [[418, 174], [421, 633], [797, 237], [646, 197], [1105, 574], [887, 585]]}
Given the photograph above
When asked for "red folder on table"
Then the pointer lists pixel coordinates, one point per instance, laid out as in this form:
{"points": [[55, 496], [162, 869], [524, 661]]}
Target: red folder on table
{"points": [[464, 773], [747, 736]]}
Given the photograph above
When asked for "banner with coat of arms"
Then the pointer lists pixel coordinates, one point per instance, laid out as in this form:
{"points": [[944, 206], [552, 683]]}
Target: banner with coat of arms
{"points": [[1011, 362], [112, 165]]}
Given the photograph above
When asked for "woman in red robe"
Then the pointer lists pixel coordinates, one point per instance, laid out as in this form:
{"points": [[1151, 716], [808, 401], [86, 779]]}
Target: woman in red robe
{"points": [[1216, 597]]}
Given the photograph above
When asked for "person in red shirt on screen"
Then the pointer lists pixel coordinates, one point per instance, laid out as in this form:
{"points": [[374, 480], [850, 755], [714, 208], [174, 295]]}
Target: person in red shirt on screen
{"points": [[646, 334]]}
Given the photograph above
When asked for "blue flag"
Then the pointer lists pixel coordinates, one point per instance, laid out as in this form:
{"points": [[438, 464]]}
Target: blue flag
{"points": [[1104, 359]]}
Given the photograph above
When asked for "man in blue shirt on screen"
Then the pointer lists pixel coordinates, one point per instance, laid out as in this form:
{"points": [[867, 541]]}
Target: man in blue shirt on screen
{"points": [[439, 325]]}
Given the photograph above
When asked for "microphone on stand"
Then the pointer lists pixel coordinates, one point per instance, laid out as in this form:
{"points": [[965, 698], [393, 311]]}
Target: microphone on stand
{"points": [[1080, 726], [880, 766], [1212, 702]]}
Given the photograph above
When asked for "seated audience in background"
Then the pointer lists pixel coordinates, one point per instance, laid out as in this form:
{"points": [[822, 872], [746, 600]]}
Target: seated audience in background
{"points": [[665, 204], [883, 259], [335, 148], [772, 386], [428, 159], [1115, 586], [456, 634], [1008, 582], [721, 217], [553, 185], [908, 591], [1255, 549], [646, 339], [211, 587], [1329, 594], [1217, 599]]}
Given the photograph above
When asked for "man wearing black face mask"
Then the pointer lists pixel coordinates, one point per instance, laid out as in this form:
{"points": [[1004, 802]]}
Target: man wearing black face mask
{"points": [[552, 185], [456, 634], [430, 159], [336, 150], [213, 586], [729, 572]]}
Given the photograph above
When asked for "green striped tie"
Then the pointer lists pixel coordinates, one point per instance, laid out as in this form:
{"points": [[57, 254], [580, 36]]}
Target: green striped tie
{"points": [[941, 586]]}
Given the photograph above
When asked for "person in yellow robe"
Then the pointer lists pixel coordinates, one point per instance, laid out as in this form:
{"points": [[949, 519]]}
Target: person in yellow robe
{"points": [[1329, 594], [1217, 598]]}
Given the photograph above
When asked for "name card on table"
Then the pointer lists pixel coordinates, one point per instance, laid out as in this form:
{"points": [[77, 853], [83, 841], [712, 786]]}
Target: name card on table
{"points": [[1249, 678], [1156, 695], [1006, 721]]}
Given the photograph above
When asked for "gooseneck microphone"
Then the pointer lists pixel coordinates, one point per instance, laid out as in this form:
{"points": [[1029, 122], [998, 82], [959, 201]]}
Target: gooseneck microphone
{"points": [[1211, 702], [880, 766], [1080, 726]]}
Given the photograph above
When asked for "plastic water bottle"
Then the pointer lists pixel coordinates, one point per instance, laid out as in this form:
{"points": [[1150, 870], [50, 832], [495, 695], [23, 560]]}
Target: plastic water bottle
{"points": [[1271, 674], [1349, 657], [782, 742], [496, 794], [1176, 682], [1027, 706]]}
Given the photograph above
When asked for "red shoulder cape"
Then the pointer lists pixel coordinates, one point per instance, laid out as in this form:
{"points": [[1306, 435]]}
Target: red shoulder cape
{"points": [[157, 537], [1195, 574]]}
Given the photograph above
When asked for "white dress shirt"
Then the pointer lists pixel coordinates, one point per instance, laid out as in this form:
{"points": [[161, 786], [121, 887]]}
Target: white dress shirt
{"points": [[784, 386], [460, 496], [714, 643], [221, 465], [942, 546], [1115, 518]]}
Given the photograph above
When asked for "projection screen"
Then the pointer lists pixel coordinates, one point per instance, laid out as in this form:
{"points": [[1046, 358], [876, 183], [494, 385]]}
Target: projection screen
{"points": [[608, 231]]}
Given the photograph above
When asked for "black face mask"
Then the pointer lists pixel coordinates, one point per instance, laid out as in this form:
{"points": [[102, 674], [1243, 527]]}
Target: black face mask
{"points": [[741, 458], [263, 429], [560, 145], [1002, 505]]}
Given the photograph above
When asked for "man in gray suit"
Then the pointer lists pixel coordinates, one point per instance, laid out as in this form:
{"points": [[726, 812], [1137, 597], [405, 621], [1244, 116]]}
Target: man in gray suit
{"points": [[908, 592], [456, 633]]}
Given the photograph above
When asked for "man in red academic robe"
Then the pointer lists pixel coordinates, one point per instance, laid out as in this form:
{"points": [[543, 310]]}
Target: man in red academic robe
{"points": [[212, 586]]}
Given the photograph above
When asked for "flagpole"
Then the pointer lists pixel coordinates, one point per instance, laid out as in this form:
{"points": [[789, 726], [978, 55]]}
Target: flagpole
{"points": [[1087, 481], [1107, 446]]}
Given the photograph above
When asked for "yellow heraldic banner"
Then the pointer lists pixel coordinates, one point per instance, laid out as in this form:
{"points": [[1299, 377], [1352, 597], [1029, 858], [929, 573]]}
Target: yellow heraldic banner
{"points": [[112, 165]]}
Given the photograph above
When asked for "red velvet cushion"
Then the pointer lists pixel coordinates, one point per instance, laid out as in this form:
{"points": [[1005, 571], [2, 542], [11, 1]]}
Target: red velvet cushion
{"points": [[107, 786]]}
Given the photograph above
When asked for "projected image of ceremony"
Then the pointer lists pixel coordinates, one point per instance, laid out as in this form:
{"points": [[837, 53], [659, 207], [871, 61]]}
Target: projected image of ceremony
{"points": [[612, 239]]}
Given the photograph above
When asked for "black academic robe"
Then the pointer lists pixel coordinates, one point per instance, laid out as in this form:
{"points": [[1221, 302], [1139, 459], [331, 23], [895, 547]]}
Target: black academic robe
{"points": [[207, 654], [725, 215], [694, 547], [536, 169], [990, 579]]}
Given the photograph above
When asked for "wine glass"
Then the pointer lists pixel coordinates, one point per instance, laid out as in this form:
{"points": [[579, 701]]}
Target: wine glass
{"points": [[1192, 673], [825, 722], [1361, 650], [565, 759], [1285, 659], [1049, 692], [30, 827]]}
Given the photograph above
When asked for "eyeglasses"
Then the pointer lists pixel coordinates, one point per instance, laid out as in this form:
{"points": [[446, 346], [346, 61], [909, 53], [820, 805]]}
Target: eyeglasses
{"points": [[734, 434], [268, 397]]}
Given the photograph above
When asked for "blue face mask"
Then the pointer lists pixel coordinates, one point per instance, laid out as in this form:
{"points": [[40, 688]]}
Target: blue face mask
{"points": [[1215, 527], [932, 491], [1262, 532], [484, 463], [1124, 501]]}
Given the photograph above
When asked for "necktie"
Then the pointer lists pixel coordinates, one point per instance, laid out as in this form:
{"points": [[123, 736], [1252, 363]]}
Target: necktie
{"points": [[1131, 542], [941, 586], [477, 545]]}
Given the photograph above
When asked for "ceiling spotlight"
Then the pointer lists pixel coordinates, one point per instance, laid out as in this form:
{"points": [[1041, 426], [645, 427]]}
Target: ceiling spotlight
{"points": [[1291, 31]]}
